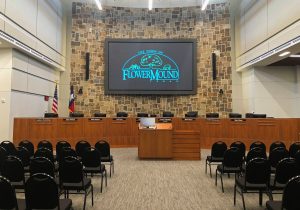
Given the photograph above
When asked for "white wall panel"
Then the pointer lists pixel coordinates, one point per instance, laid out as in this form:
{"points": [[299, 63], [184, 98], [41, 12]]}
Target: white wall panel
{"points": [[2, 6], [40, 86], [5, 58], [256, 51], [4, 115], [23, 12], [42, 70], [5, 79], [19, 80], [281, 14], [20, 61], [240, 33]]}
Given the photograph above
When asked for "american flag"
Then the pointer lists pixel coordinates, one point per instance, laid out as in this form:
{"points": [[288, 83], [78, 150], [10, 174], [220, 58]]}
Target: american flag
{"points": [[72, 100], [55, 101]]}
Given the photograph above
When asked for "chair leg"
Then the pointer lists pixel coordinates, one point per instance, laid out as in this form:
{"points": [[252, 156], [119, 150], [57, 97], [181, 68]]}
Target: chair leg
{"points": [[216, 177], [105, 177], [260, 198], [92, 189], [221, 175], [113, 163], [84, 202], [110, 170], [101, 182], [206, 166], [210, 170], [244, 207], [234, 194]]}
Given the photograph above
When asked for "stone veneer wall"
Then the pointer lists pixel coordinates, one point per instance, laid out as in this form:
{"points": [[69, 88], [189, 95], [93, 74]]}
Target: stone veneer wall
{"points": [[211, 28]]}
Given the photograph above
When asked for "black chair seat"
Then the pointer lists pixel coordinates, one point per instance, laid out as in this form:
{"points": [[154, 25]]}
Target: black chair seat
{"points": [[226, 169], [240, 181], [77, 186], [94, 169], [274, 205], [107, 159], [19, 185], [276, 186], [214, 159]]}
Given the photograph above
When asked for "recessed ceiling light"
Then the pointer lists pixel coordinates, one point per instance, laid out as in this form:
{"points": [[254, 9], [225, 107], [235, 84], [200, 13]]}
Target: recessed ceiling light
{"points": [[295, 56], [204, 4], [98, 3], [284, 54], [150, 3]]}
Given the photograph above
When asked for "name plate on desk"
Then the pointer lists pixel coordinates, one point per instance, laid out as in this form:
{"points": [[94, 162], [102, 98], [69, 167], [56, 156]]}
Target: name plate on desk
{"points": [[164, 120], [188, 119], [95, 119], [43, 120], [70, 119], [238, 120], [119, 119]]}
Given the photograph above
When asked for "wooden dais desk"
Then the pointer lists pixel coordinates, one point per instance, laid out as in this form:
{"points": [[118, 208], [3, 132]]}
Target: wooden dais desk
{"points": [[156, 143]]}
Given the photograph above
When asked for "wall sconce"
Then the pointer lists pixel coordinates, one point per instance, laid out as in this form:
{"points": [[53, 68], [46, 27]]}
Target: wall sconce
{"points": [[80, 91]]}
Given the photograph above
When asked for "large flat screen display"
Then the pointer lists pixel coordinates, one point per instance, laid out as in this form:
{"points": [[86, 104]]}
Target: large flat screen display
{"points": [[150, 66]]}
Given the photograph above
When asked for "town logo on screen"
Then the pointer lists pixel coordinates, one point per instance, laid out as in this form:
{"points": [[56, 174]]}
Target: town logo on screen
{"points": [[151, 65]]}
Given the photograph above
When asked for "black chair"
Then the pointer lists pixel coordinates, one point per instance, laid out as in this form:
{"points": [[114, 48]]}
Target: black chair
{"points": [[41, 165], [297, 158], [276, 144], [212, 115], [294, 148], [168, 114], [9, 147], [241, 146], [217, 155], [286, 169], [13, 170], [45, 144], [258, 144], [256, 179], [193, 114], [153, 115], [234, 115], [259, 115], [91, 161], [80, 147], [232, 163], [122, 114], [277, 155], [3, 155], [72, 178], [290, 197], [8, 199], [59, 146], [249, 115], [44, 152], [142, 115], [28, 145], [104, 148], [41, 192], [50, 115], [256, 152], [99, 114], [24, 155], [68, 152], [76, 114]]}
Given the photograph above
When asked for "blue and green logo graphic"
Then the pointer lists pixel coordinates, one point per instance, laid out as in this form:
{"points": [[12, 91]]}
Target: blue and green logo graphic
{"points": [[152, 65]]}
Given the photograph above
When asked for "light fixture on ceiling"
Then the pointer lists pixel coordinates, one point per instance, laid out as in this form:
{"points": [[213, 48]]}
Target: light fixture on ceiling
{"points": [[295, 56], [204, 4], [284, 53], [150, 3], [98, 3]]}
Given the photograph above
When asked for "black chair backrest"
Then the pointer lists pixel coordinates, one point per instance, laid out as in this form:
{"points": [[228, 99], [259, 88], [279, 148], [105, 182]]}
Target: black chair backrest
{"points": [[99, 114], [80, 147], [277, 155], [276, 144], [24, 155], [41, 165], [212, 115], [70, 170], [41, 192], [59, 146], [297, 158], [91, 157], [12, 169], [239, 145], [76, 114], [50, 115], [44, 152], [249, 115], [45, 144], [67, 152], [233, 157], [218, 149], [234, 115], [258, 144], [290, 198], [167, 114], [3, 155], [294, 148], [142, 115], [28, 145], [103, 147], [9, 147], [191, 114], [258, 171], [8, 198], [285, 170], [122, 114], [259, 115], [256, 152]]}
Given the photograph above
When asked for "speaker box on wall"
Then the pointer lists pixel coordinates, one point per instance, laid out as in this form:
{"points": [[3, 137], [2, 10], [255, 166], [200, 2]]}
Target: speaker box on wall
{"points": [[87, 66], [214, 65]]}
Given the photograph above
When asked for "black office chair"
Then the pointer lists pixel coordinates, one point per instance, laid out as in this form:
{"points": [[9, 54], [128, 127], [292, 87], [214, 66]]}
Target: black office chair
{"points": [[168, 114], [24, 155], [249, 115], [45, 144], [80, 147], [256, 179], [104, 149], [217, 155], [234, 115], [99, 114], [241, 146], [193, 114], [3, 155], [232, 163], [9, 147], [277, 155], [76, 114], [41, 165], [28, 145], [44, 152], [259, 116], [276, 144], [290, 197], [294, 148], [142, 115], [258, 144], [68, 152], [8, 199], [255, 152], [91, 161], [41, 192], [59, 146], [72, 178], [50, 115], [212, 115], [122, 114]]}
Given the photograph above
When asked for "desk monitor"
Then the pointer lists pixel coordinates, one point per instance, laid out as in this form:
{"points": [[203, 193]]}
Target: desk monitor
{"points": [[148, 122]]}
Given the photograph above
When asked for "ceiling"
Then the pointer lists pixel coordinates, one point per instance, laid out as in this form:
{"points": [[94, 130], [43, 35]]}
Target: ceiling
{"points": [[288, 61]]}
